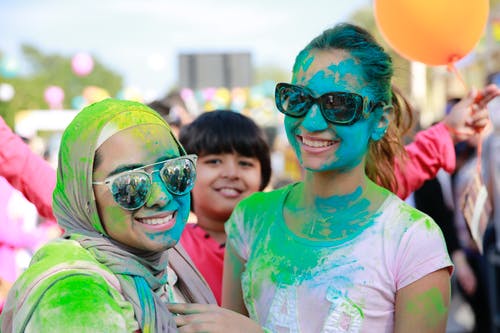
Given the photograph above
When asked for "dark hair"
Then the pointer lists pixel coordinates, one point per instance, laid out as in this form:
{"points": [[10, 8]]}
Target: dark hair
{"points": [[378, 72], [226, 131], [165, 105]]}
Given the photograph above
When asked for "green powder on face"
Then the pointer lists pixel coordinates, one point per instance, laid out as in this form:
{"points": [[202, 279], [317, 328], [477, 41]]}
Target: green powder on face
{"points": [[304, 61]]}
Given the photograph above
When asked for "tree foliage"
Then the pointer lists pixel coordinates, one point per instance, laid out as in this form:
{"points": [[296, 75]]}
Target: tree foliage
{"points": [[44, 70]]}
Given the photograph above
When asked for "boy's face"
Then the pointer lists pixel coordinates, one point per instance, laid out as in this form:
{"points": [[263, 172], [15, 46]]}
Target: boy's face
{"points": [[222, 180]]}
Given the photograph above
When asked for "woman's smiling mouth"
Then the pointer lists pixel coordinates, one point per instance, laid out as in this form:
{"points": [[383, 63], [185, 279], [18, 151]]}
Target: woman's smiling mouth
{"points": [[160, 222]]}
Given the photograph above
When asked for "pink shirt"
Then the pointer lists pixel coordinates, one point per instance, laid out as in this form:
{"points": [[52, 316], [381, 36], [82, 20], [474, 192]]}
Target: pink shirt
{"points": [[207, 255], [431, 150]]}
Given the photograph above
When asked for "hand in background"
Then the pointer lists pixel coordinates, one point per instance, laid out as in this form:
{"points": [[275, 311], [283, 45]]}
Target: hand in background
{"points": [[465, 276], [469, 116], [211, 319]]}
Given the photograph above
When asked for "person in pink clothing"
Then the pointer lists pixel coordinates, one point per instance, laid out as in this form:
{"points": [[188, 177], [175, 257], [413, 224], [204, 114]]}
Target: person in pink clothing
{"points": [[26, 185], [434, 147], [19, 164], [22, 234], [233, 162]]}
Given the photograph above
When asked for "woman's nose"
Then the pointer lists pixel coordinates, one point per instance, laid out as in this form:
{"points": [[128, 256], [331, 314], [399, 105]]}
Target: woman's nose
{"points": [[314, 121], [159, 195]]}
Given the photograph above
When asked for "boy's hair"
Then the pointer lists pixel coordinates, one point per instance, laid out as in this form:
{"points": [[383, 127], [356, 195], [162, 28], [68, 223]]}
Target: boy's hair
{"points": [[378, 72], [226, 131]]}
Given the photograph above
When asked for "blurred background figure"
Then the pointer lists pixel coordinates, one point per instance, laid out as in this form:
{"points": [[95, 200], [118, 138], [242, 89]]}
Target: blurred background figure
{"points": [[438, 197], [26, 219], [491, 168], [174, 110]]}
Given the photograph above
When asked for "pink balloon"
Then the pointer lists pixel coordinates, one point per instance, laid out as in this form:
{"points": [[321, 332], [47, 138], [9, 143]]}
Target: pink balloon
{"points": [[82, 64], [54, 96]]}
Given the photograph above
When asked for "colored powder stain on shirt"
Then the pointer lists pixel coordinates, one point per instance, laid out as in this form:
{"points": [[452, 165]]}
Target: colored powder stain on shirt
{"points": [[69, 299], [341, 225], [348, 287], [288, 259], [292, 264], [341, 219], [416, 215], [285, 263], [82, 292]]}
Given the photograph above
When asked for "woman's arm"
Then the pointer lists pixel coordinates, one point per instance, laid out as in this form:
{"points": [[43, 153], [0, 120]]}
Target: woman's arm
{"points": [[433, 148], [232, 294], [26, 171], [422, 306], [215, 319]]}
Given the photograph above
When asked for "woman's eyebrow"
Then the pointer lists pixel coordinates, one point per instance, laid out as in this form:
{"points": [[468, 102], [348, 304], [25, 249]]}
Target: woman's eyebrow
{"points": [[128, 167], [123, 168], [164, 158]]}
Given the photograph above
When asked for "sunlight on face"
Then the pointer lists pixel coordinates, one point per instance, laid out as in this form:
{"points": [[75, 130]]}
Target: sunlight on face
{"points": [[226, 179], [320, 145], [159, 223]]}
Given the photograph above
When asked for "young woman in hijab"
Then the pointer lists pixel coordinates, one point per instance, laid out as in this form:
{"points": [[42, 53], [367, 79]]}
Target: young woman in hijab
{"points": [[122, 197]]}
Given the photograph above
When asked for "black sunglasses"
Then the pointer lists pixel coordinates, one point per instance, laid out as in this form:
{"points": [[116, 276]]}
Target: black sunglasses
{"points": [[131, 189], [340, 108]]}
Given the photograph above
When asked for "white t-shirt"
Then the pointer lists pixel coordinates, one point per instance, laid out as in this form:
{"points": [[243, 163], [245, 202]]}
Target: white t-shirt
{"points": [[293, 284]]}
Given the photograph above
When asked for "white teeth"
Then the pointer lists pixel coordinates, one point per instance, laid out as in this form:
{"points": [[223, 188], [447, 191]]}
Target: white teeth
{"points": [[316, 144], [155, 221], [229, 191]]}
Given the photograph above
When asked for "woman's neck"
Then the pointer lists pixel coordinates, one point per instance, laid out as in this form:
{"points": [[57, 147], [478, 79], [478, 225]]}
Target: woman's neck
{"points": [[332, 207], [334, 183]]}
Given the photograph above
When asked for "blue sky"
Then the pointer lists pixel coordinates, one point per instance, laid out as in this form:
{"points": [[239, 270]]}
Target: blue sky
{"points": [[141, 39]]}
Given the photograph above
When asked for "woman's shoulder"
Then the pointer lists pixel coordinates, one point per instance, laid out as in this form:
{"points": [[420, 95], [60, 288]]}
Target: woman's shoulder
{"points": [[399, 216], [65, 280], [78, 303], [268, 198], [63, 254]]}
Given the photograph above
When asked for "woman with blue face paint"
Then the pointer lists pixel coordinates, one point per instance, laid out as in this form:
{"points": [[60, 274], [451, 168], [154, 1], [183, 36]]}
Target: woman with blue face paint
{"points": [[337, 252], [122, 198]]}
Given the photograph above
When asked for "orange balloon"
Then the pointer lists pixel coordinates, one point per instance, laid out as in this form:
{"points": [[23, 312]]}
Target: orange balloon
{"points": [[434, 32]]}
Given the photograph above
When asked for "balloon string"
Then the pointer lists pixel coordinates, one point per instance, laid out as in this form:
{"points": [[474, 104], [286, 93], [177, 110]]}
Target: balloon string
{"points": [[452, 68]]}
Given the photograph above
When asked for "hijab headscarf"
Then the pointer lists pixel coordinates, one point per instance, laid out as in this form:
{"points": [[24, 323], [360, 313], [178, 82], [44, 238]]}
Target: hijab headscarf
{"points": [[140, 273]]}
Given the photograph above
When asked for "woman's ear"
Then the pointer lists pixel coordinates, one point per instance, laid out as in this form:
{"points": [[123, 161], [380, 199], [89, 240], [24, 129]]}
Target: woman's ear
{"points": [[382, 124]]}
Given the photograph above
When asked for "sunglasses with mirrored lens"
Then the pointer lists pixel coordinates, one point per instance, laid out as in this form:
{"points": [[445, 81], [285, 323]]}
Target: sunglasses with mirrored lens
{"points": [[131, 189], [341, 108]]}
